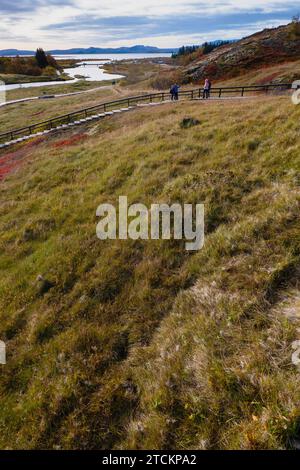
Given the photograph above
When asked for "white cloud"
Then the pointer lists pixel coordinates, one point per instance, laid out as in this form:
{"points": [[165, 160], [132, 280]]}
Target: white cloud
{"points": [[190, 39], [39, 25], [107, 8]]}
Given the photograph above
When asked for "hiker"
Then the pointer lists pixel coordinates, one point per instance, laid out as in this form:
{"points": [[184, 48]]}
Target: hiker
{"points": [[206, 89], [209, 85], [174, 92]]}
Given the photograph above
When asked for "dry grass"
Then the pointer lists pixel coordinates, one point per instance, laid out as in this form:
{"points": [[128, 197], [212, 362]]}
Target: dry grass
{"points": [[141, 344], [135, 71], [23, 114], [65, 87], [279, 73], [9, 78]]}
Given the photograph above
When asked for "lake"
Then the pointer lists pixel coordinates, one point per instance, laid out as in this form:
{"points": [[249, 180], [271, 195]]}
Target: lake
{"points": [[91, 72]]}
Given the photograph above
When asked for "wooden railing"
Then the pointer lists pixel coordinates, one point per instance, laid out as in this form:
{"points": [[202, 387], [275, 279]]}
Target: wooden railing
{"points": [[134, 101]]}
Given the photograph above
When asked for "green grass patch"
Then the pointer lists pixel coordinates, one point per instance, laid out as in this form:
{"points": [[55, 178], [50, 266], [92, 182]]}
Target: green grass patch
{"points": [[140, 344]]}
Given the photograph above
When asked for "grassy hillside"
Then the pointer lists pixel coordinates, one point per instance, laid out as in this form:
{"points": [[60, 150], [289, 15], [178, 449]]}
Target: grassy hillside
{"points": [[273, 74], [135, 71], [266, 48], [65, 87], [140, 344], [10, 78], [23, 114]]}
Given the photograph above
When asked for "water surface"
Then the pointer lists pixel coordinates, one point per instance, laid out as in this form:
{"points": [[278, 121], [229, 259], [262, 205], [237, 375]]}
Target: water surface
{"points": [[92, 72]]}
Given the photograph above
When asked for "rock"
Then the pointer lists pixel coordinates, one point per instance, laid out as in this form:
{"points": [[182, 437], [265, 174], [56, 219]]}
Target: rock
{"points": [[189, 122], [296, 444], [44, 285]]}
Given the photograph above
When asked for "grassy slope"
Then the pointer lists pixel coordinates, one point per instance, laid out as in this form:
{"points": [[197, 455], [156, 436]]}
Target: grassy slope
{"points": [[279, 73], [18, 78], [65, 87], [141, 344], [20, 115], [134, 71]]}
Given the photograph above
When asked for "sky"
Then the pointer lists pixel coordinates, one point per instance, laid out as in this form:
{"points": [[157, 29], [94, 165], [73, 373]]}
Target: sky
{"points": [[62, 24]]}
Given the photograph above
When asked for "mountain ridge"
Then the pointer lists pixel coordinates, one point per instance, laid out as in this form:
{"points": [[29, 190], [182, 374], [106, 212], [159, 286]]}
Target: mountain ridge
{"points": [[137, 49]]}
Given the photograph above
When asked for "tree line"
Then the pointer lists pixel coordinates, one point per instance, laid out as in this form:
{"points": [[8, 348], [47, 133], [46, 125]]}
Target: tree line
{"points": [[204, 49], [40, 64]]}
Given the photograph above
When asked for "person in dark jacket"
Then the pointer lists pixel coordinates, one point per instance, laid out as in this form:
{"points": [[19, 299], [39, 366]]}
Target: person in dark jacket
{"points": [[174, 92]]}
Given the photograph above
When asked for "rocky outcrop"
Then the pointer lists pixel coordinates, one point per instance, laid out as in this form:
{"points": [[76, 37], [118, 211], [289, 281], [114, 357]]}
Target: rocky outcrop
{"points": [[268, 47]]}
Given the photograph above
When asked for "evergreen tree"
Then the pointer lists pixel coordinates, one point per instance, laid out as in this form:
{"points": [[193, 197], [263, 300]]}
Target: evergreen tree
{"points": [[41, 58]]}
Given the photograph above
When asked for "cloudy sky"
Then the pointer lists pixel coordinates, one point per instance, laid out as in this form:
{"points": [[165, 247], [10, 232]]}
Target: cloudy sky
{"points": [[27, 24]]}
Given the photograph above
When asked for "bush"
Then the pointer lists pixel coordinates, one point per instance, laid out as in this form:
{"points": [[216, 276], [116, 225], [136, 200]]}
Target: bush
{"points": [[188, 122], [253, 145], [29, 65], [49, 71], [165, 80]]}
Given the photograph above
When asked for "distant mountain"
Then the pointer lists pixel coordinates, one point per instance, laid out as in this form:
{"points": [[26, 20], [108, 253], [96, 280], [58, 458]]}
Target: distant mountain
{"points": [[139, 49], [9, 52]]}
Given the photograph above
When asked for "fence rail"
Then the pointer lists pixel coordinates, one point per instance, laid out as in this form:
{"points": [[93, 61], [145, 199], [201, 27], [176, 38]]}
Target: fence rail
{"points": [[134, 101]]}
